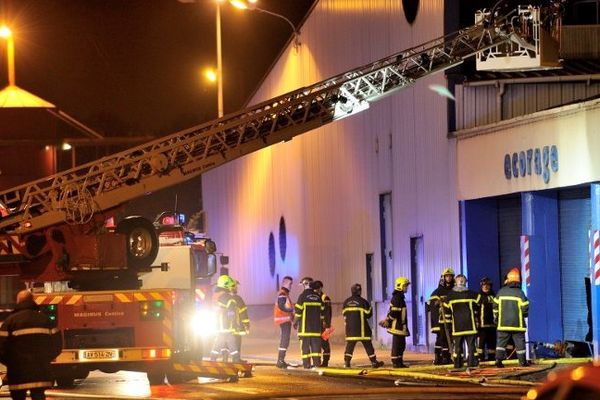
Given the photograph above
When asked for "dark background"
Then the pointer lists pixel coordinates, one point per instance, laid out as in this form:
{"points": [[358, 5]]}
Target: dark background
{"points": [[135, 67]]}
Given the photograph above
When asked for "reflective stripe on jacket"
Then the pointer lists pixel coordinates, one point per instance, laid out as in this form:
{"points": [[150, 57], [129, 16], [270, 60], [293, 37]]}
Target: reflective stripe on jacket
{"points": [[242, 321], [511, 307], [283, 309], [28, 343], [226, 308], [486, 310], [309, 311], [465, 309], [397, 315], [434, 304], [356, 311]]}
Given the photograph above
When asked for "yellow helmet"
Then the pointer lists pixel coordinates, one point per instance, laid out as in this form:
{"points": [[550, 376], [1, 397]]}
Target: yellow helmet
{"points": [[448, 271], [401, 283], [225, 282]]}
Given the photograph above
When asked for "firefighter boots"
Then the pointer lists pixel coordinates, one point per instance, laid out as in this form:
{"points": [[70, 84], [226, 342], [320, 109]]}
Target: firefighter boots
{"points": [[347, 362], [398, 363], [376, 364], [499, 364], [458, 362], [282, 364], [523, 360], [438, 357], [325, 362]]}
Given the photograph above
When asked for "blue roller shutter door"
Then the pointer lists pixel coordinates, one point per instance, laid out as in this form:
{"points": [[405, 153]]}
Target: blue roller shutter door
{"points": [[574, 224], [509, 234]]}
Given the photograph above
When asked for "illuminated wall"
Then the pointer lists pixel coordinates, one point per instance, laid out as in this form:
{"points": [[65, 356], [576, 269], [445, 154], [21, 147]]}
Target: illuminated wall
{"points": [[326, 183]]}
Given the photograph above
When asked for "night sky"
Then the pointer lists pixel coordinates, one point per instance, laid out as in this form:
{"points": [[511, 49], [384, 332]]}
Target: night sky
{"points": [[133, 67]]}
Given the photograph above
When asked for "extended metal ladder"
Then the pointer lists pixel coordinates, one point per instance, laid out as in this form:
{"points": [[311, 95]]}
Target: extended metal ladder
{"points": [[73, 196]]}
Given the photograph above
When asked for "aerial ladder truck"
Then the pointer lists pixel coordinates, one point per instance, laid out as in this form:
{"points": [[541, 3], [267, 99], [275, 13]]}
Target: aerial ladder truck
{"points": [[55, 229]]}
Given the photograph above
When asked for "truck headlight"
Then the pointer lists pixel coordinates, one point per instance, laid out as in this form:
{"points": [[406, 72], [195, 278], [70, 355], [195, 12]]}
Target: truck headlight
{"points": [[204, 323]]}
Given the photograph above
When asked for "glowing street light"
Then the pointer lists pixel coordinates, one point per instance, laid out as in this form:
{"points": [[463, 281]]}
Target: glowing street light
{"points": [[251, 5], [211, 75], [6, 33]]}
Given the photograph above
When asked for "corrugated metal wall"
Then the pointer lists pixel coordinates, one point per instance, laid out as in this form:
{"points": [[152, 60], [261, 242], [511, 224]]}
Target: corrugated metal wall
{"points": [[326, 183], [479, 105]]}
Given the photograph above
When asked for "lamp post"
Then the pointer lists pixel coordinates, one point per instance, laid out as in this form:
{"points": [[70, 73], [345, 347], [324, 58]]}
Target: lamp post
{"points": [[251, 5], [219, 63], [6, 33]]}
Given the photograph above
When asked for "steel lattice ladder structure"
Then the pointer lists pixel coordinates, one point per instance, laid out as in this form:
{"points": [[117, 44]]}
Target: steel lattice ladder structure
{"points": [[73, 196]]}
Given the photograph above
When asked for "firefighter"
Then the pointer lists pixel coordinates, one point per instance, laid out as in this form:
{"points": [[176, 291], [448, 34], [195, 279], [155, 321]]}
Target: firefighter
{"points": [[511, 307], [487, 327], [463, 304], [242, 321], [309, 322], [227, 309], [28, 343], [357, 311], [317, 286], [396, 322], [283, 315], [441, 322]]}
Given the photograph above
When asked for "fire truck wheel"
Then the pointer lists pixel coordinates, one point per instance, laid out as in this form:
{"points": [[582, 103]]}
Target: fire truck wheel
{"points": [[175, 378], [65, 381], [156, 377], [141, 241]]}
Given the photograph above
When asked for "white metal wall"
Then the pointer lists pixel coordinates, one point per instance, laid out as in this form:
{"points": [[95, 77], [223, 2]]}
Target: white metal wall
{"points": [[326, 183]]}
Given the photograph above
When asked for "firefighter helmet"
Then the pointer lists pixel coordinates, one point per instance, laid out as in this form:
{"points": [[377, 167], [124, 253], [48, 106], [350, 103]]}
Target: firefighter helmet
{"points": [[485, 281], [514, 275], [448, 271], [225, 282], [401, 283], [356, 289]]}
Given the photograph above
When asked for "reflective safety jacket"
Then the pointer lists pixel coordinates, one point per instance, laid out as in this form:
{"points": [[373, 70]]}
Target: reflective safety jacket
{"points": [[28, 343], [511, 307], [397, 315], [327, 311], [310, 314], [226, 309], [464, 305], [283, 309], [357, 311], [486, 310], [242, 321], [433, 306]]}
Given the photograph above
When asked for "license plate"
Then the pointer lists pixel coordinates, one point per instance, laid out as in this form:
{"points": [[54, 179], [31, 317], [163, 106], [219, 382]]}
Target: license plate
{"points": [[98, 355]]}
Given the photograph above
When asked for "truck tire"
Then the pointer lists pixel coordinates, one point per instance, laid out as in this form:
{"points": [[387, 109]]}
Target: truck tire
{"points": [[65, 381], [156, 377], [141, 242]]}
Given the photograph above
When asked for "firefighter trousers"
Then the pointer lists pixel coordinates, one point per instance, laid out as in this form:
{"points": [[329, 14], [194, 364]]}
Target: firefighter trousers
{"points": [[398, 347], [442, 346], [367, 344], [459, 342], [311, 350], [284, 340], [503, 337], [225, 342], [487, 343], [326, 347]]}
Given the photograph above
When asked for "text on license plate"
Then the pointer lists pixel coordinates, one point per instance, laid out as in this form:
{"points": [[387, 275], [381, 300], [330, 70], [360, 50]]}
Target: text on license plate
{"points": [[104, 354]]}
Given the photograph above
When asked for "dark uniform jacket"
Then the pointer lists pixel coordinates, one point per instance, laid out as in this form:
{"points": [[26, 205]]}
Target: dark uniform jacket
{"points": [[227, 310], [28, 343], [309, 314], [327, 311], [511, 307], [397, 315], [242, 321], [464, 305], [434, 305], [357, 311], [486, 310]]}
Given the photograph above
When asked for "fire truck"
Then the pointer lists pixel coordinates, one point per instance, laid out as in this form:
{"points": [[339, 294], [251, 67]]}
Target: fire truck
{"points": [[121, 312]]}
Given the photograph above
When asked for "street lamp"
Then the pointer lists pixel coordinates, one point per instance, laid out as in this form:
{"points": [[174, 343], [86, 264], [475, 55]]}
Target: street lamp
{"points": [[251, 5], [6, 33]]}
